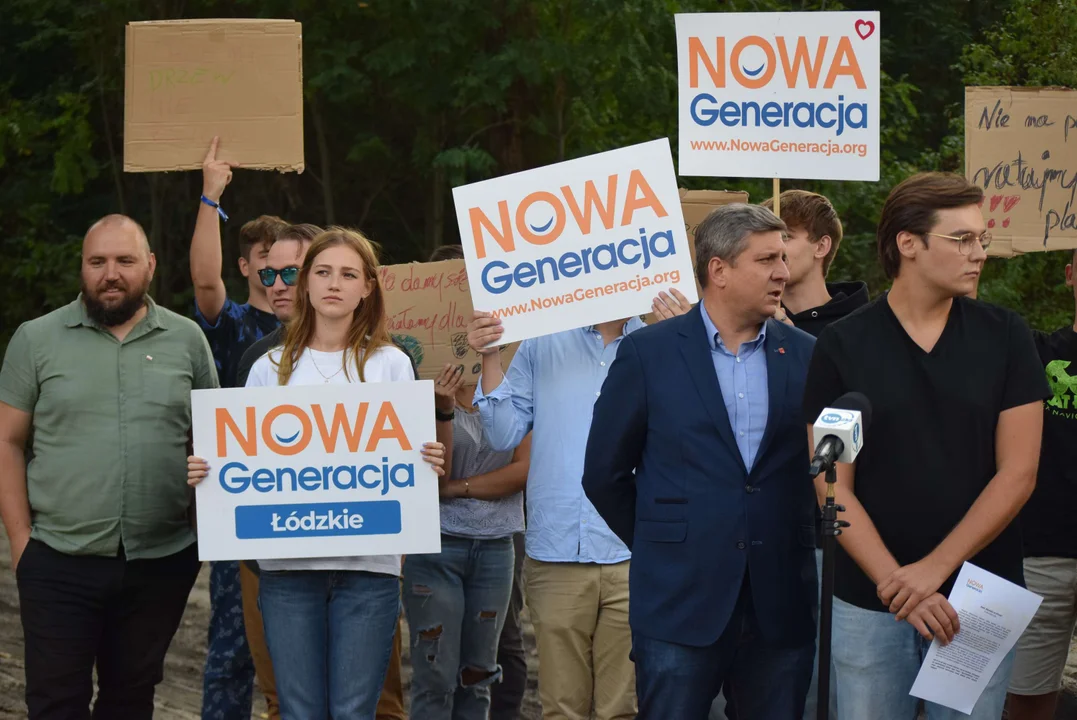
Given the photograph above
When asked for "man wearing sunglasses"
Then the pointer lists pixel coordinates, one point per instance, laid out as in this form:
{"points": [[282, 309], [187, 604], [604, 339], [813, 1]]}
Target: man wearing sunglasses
{"points": [[279, 277], [956, 389]]}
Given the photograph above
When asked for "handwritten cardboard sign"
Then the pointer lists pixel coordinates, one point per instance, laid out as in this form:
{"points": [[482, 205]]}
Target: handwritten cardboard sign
{"points": [[429, 307], [188, 80], [315, 471], [1017, 149], [779, 95]]}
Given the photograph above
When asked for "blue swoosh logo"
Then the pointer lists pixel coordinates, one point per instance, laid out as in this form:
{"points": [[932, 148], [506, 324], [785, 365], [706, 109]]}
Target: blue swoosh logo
{"points": [[543, 228], [753, 73], [285, 441]]}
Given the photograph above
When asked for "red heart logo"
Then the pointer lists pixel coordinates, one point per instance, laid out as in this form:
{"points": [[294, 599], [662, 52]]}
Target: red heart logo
{"points": [[1009, 202], [865, 28], [995, 200]]}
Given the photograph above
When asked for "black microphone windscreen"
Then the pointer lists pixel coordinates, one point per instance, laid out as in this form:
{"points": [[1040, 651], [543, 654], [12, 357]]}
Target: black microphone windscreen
{"points": [[855, 401]]}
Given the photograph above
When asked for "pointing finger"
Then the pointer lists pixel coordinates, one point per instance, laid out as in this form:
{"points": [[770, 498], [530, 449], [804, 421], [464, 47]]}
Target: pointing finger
{"points": [[212, 154]]}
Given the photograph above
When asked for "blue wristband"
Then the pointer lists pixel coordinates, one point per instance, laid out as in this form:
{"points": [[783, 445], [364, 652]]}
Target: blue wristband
{"points": [[215, 206]]}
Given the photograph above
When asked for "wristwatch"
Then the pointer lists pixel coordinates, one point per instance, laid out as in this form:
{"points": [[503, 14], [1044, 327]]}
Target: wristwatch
{"points": [[444, 416]]}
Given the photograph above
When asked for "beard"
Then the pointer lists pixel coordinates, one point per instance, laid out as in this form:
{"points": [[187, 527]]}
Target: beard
{"points": [[110, 313]]}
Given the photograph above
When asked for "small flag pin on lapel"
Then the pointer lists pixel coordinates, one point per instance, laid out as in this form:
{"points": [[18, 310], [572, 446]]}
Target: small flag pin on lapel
{"points": [[781, 351]]}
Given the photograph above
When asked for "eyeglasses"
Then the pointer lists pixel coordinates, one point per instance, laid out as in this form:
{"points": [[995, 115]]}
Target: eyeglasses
{"points": [[964, 242], [289, 275]]}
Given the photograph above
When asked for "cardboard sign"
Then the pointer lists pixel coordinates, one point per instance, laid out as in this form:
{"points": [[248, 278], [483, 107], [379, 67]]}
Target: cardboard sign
{"points": [[188, 80], [577, 243], [1017, 150], [696, 205], [779, 95], [316, 471], [429, 308]]}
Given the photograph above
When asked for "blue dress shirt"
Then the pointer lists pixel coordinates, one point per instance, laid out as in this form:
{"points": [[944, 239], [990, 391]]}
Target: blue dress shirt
{"points": [[743, 381], [551, 387]]}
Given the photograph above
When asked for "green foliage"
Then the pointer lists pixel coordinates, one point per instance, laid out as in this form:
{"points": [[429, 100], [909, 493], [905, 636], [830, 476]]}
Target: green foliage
{"points": [[1034, 45], [407, 98]]}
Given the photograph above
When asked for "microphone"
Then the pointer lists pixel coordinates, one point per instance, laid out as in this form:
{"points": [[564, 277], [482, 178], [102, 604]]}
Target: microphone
{"points": [[840, 431]]}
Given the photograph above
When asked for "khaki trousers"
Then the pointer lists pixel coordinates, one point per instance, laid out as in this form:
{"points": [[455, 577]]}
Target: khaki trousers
{"points": [[256, 639], [580, 614], [391, 702]]}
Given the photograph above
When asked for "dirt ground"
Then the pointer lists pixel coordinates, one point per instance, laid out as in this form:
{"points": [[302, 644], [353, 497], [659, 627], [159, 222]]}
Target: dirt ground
{"points": [[179, 697]]}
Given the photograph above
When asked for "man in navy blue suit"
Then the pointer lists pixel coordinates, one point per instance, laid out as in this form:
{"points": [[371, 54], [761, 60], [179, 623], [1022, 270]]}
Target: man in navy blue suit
{"points": [[697, 460]]}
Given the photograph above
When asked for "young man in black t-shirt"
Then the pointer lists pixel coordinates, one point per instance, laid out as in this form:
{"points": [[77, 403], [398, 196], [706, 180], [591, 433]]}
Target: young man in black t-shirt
{"points": [[1050, 536], [949, 459]]}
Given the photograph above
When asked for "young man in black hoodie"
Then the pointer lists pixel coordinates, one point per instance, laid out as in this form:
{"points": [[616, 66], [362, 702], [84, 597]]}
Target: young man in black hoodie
{"points": [[810, 302]]}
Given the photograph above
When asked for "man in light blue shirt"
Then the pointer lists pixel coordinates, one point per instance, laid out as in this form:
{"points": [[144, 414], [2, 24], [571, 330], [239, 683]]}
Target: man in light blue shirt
{"points": [[576, 570], [743, 380]]}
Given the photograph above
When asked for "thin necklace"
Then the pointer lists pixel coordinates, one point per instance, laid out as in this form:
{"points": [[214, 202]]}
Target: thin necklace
{"points": [[329, 377]]}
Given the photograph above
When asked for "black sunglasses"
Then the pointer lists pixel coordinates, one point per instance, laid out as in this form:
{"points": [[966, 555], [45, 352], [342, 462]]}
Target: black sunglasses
{"points": [[289, 275]]}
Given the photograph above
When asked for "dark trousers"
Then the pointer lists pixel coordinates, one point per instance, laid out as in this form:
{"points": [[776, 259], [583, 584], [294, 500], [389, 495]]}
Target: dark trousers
{"points": [[759, 681], [228, 678], [116, 613], [507, 696]]}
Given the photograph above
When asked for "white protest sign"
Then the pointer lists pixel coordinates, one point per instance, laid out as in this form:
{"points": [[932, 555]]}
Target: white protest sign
{"points": [[576, 243], [316, 471], [779, 95]]}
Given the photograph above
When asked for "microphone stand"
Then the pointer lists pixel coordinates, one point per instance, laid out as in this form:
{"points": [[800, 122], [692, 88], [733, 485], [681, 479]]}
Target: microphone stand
{"points": [[831, 529]]}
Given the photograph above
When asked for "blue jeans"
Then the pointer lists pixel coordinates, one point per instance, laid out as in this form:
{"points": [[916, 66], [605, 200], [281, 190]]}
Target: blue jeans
{"points": [[330, 633], [456, 602], [811, 703], [228, 679], [877, 660], [759, 681]]}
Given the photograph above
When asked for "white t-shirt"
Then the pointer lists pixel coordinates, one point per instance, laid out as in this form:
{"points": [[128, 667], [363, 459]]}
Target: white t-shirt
{"points": [[386, 364]]}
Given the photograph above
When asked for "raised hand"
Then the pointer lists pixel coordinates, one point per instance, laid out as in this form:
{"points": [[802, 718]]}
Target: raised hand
{"points": [[668, 305], [484, 330], [446, 384], [216, 174]]}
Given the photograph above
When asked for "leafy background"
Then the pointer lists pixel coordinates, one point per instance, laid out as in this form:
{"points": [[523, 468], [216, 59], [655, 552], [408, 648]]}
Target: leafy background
{"points": [[406, 98]]}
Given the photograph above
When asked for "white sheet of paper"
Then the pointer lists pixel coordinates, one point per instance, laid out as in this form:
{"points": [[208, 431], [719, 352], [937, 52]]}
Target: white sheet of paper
{"points": [[993, 612]]}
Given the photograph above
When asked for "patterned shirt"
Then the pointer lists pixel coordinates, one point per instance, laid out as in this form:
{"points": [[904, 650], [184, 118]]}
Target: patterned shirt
{"points": [[471, 456], [236, 329]]}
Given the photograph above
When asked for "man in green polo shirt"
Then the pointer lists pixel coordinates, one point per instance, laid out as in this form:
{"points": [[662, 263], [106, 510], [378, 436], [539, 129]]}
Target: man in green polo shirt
{"points": [[95, 424]]}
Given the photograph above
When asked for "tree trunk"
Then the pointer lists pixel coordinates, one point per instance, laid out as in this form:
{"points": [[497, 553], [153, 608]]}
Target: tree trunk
{"points": [[114, 161], [435, 232], [324, 161], [162, 292]]}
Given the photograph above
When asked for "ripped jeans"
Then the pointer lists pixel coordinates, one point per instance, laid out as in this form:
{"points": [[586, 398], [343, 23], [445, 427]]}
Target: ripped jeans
{"points": [[455, 603]]}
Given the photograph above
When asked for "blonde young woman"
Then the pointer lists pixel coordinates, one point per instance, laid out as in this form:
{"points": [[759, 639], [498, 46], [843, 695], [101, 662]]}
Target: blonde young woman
{"points": [[329, 622]]}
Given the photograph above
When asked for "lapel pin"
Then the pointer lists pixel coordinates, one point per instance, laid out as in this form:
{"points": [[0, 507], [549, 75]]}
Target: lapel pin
{"points": [[150, 357], [781, 351]]}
